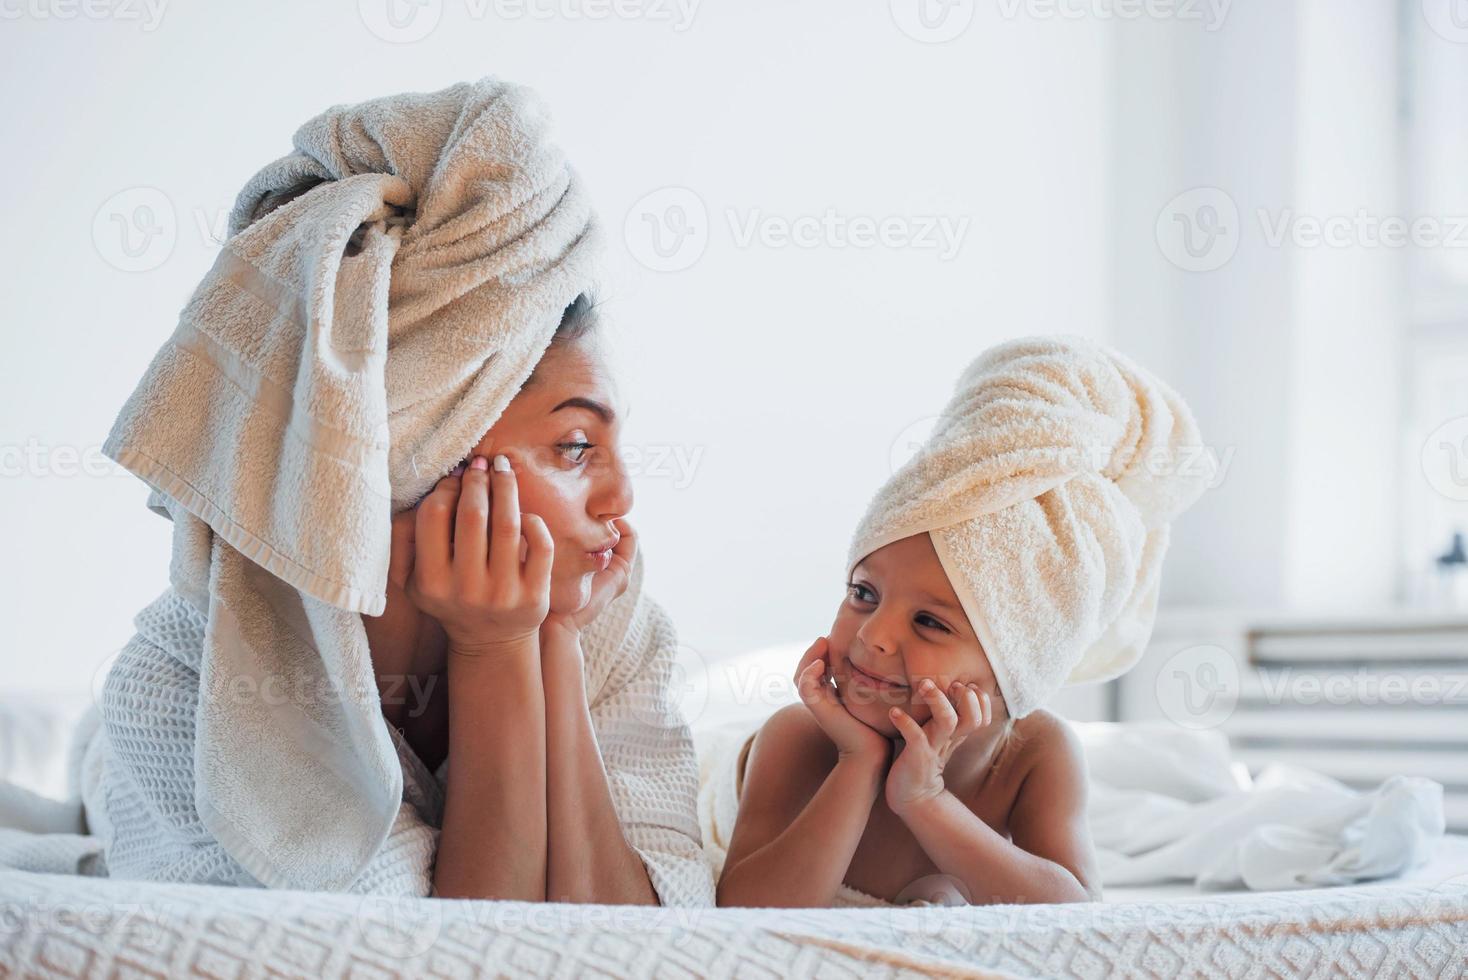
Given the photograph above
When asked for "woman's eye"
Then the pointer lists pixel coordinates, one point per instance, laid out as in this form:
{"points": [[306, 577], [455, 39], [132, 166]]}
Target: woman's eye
{"points": [[574, 451], [931, 623]]}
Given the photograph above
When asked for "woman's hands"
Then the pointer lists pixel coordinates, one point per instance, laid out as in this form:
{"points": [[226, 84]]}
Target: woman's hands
{"points": [[854, 738], [605, 585], [917, 771], [466, 569]]}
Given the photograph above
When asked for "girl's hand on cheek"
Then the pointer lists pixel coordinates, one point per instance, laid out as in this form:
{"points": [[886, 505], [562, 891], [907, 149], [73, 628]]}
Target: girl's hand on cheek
{"points": [[854, 738], [467, 571], [917, 771]]}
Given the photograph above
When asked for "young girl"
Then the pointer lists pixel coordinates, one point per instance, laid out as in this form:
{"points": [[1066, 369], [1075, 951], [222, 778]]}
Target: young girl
{"points": [[1019, 550]]}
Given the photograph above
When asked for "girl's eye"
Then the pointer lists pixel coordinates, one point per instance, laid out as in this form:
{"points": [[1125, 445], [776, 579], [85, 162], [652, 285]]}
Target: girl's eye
{"points": [[574, 451], [924, 619], [860, 592]]}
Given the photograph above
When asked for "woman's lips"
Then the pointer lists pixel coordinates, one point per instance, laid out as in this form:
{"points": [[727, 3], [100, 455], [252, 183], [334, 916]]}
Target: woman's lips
{"points": [[873, 680], [600, 556]]}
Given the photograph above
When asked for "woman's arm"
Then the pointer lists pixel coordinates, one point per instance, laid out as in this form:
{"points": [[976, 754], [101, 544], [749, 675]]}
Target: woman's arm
{"points": [[791, 848], [1050, 858], [467, 574], [493, 840], [589, 858]]}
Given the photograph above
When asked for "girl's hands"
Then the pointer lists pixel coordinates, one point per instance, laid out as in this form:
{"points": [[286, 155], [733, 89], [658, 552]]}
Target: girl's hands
{"points": [[854, 738], [917, 772], [466, 570]]}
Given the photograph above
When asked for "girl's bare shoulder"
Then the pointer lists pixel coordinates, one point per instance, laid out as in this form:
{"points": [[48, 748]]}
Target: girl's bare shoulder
{"points": [[790, 742], [1045, 740], [793, 732]]}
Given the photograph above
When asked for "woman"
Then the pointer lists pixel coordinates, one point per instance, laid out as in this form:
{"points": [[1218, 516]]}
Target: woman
{"points": [[413, 286], [507, 633]]}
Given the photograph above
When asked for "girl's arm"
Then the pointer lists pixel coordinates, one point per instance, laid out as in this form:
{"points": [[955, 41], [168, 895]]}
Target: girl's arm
{"points": [[791, 847], [1050, 859], [589, 858]]}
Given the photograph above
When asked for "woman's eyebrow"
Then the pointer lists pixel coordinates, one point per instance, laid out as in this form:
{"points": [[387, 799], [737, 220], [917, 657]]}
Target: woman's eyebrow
{"points": [[597, 408]]}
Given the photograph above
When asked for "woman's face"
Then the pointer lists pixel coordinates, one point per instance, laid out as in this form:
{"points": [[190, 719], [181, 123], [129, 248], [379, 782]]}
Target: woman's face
{"points": [[901, 621], [561, 433]]}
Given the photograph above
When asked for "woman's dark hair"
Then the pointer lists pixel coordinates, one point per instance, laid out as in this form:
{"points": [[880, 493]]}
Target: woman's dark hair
{"points": [[578, 321]]}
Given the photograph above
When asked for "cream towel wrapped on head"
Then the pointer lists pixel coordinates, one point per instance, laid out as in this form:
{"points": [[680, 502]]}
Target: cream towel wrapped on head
{"points": [[386, 289], [1047, 488]]}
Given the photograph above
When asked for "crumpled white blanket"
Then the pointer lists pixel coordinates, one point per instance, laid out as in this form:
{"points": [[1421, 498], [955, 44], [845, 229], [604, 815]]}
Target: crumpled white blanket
{"points": [[1168, 805]]}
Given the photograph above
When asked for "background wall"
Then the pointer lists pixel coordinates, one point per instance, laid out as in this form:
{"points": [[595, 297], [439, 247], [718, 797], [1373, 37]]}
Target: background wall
{"points": [[1041, 162]]}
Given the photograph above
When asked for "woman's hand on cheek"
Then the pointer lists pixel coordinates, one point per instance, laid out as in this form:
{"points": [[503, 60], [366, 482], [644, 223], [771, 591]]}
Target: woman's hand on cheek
{"points": [[917, 771], [467, 571], [605, 586]]}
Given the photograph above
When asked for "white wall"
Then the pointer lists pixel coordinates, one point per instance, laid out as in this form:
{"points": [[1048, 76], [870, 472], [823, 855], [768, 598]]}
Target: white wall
{"points": [[1286, 350], [789, 371]]}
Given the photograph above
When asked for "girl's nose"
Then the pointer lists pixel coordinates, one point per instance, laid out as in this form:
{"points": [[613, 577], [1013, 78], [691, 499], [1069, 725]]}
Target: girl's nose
{"points": [[875, 635]]}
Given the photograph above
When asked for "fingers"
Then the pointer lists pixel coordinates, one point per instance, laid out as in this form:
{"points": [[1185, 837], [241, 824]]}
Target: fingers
{"points": [[540, 553], [504, 533], [812, 685], [400, 556], [626, 548], [471, 544], [986, 702], [944, 719], [970, 710], [907, 726], [816, 651], [431, 536]]}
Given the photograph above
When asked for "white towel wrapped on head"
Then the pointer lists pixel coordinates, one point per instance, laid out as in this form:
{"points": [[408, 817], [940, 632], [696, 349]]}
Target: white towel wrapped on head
{"points": [[386, 289], [1047, 488]]}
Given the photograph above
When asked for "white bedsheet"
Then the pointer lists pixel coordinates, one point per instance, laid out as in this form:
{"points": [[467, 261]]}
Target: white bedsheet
{"points": [[62, 926]]}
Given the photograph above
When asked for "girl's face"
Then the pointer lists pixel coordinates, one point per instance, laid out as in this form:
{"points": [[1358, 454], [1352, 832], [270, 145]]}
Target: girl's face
{"points": [[900, 622], [561, 434]]}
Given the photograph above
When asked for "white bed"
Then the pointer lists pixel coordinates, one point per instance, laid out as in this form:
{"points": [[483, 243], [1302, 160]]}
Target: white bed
{"points": [[53, 925], [1415, 925]]}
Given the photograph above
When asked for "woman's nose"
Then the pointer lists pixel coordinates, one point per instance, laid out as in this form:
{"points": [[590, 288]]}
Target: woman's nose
{"points": [[612, 495]]}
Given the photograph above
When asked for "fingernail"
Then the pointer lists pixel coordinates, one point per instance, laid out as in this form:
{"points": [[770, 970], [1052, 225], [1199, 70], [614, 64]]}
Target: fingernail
{"points": [[502, 463], [480, 463]]}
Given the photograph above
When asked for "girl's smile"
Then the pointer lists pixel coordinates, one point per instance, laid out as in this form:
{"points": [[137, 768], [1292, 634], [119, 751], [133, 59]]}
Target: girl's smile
{"points": [[865, 678]]}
